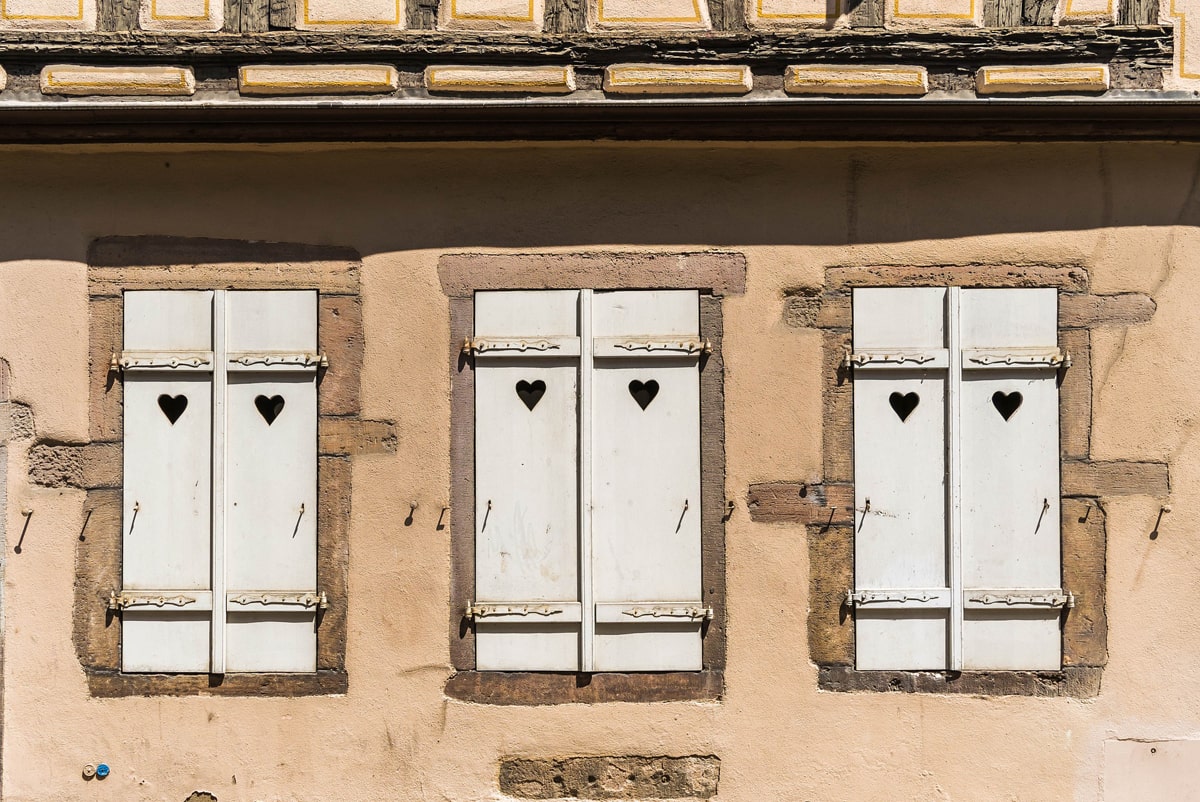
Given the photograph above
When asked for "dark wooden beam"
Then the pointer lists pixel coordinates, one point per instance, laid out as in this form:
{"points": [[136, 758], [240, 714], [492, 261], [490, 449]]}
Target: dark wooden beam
{"points": [[1147, 44], [1138, 12], [282, 15], [422, 15], [117, 15], [566, 16]]}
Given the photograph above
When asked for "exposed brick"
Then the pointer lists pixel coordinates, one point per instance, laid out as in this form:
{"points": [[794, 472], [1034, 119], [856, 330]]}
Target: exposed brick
{"points": [[1090, 311], [341, 339], [616, 777], [831, 574], [1072, 278], [1085, 630], [1115, 478], [462, 274], [1078, 682], [801, 503], [21, 423], [1075, 396], [341, 436]]}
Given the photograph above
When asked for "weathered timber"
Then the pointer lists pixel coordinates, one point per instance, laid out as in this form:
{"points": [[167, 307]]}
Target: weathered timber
{"points": [[256, 16], [233, 16], [566, 16], [1138, 12], [117, 15], [947, 46], [1038, 12], [866, 13], [282, 15], [422, 15], [727, 15]]}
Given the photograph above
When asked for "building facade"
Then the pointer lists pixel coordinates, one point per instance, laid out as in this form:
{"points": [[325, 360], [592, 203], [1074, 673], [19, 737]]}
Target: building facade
{"points": [[598, 400]]}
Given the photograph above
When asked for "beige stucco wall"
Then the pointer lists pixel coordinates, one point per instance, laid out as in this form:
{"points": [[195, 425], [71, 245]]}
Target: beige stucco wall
{"points": [[1128, 213]]}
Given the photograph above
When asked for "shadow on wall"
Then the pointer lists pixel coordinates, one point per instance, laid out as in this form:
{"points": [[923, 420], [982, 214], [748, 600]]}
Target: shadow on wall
{"points": [[408, 198]]}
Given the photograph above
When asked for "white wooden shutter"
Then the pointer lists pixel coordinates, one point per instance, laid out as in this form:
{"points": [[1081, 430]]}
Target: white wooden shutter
{"points": [[645, 447], [902, 585], [1011, 559], [166, 570], [271, 481], [527, 607]]}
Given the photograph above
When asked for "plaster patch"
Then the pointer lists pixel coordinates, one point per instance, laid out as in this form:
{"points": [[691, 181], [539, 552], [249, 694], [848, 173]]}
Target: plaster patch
{"points": [[492, 15], [1086, 12], [182, 15], [47, 15], [325, 15], [924, 13], [623, 14], [1148, 771]]}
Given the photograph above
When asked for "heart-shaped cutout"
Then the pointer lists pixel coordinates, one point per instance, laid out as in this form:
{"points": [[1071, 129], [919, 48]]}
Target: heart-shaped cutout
{"points": [[531, 392], [1006, 403], [643, 392], [269, 408], [172, 406], [903, 404]]}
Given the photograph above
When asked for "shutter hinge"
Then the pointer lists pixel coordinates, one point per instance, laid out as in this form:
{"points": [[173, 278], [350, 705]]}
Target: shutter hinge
{"points": [[123, 600], [309, 599], [476, 611]]}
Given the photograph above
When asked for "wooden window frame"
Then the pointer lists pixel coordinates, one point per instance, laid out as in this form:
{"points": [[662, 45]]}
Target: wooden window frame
{"points": [[118, 264], [824, 505], [714, 275]]}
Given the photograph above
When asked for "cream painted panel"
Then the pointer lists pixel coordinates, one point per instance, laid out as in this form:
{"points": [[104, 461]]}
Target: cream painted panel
{"points": [[646, 483], [167, 640], [1141, 770], [914, 640], [1021, 318], [526, 488], [275, 640], [317, 15], [170, 320], [899, 318], [272, 320], [614, 14]]}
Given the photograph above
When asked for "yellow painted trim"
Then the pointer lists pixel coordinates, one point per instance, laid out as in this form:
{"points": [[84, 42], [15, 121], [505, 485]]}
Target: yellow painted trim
{"points": [[615, 80], [309, 21], [1181, 49], [1023, 73], [171, 18], [4, 13], [910, 77], [388, 77], [489, 18], [839, 10], [180, 83], [1067, 12], [695, 6]]}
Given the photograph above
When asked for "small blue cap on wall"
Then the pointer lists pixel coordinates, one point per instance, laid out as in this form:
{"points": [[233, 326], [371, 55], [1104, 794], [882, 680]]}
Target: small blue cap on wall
{"points": [[102, 770]]}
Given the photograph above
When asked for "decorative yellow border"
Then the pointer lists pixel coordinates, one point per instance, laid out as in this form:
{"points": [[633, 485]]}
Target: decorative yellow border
{"points": [[734, 77], [399, 11], [454, 15], [839, 10], [910, 77], [172, 79], [1108, 11], [386, 82], [896, 14], [179, 18], [5, 15], [1181, 50], [647, 20], [546, 81]]}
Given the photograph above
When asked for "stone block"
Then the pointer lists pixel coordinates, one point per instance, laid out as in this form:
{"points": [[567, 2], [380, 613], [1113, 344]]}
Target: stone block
{"points": [[1071, 278], [666, 79], [801, 503], [611, 777], [1118, 478], [318, 79], [1075, 395], [64, 79], [348, 436], [1085, 630], [1091, 311], [822, 79], [340, 329], [831, 574], [540, 80], [1042, 80]]}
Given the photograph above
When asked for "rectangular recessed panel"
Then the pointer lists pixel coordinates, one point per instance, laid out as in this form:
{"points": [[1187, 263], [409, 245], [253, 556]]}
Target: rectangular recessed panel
{"points": [[648, 646], [916, 640], [1012, 639], [271, 481], [535, 646], [272, 320], [1147, 770], [1002, 318], [274, 641], [899, 318], [167, 490], [168, 320], [165, 640]]}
